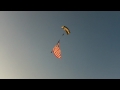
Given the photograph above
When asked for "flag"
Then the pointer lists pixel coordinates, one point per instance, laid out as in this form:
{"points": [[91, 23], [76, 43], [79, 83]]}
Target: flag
{"points": [[56, 50]]}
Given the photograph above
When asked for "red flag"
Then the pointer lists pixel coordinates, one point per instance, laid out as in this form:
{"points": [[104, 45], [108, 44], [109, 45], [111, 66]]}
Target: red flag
{"points": [[56, 50]]}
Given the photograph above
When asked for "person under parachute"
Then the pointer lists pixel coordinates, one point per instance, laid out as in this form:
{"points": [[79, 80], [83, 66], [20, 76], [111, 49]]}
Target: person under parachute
{"points": [[56, 50]]}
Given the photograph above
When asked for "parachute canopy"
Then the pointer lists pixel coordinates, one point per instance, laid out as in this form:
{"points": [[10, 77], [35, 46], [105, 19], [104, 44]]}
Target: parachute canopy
{"points": [[66, 29]]}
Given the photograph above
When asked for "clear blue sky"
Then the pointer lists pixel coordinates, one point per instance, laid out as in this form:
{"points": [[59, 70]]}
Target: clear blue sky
{"points": [[91, 51]]}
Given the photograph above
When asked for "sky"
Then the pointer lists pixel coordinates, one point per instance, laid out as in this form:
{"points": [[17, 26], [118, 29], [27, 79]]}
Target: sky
{"points": [[91, 51]]}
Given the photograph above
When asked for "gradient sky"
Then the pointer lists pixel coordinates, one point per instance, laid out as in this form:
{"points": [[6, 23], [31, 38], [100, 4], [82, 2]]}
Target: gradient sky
{"points": [[91, 51]]}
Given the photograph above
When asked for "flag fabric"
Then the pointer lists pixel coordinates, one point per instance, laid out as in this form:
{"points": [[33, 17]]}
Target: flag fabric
{"points": [[56, 50]]}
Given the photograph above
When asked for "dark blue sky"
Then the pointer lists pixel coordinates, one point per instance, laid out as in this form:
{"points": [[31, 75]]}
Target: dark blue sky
{"points": [[91, 50]]}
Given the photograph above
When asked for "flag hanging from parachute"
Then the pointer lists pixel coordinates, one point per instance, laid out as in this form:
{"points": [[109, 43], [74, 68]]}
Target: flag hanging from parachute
{"points": [[56, 50]]}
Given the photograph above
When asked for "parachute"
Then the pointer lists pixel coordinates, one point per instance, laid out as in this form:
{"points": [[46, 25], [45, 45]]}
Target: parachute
{"points": [[56, 49], [66, 30]]}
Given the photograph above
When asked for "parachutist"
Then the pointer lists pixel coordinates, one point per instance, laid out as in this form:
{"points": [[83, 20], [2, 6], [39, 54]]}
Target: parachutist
{"points": [[59, 41]]}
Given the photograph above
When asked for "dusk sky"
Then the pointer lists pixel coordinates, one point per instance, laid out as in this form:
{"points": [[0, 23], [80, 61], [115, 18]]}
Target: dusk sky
{"points": [[91, 51]]}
